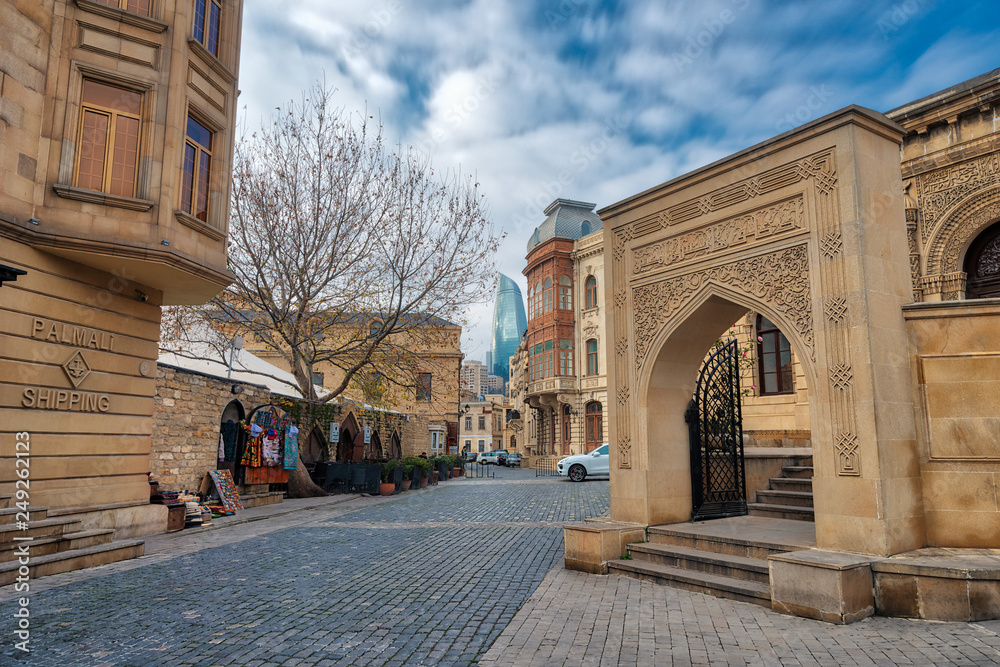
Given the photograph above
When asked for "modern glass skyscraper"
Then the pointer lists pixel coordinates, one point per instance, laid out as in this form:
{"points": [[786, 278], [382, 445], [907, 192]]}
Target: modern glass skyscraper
{"points": [[509, 323]]}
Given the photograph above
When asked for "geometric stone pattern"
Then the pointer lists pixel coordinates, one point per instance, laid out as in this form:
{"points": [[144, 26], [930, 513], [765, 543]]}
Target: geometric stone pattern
{"points": [[780, 278], [774, 219], [840, 376], [743, 230]]}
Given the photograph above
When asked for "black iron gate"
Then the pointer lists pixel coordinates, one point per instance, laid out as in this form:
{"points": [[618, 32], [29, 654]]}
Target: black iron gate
{"points": [[715, 426]]}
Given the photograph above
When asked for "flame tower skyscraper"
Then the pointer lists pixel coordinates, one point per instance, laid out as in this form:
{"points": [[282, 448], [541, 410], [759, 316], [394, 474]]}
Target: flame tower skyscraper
{"points": [[509, 324]]}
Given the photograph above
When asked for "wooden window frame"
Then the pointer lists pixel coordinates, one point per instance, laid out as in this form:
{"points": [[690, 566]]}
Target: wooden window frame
{"points": [[594, 416], [773, 333], [132, 6], [110, 137], [565, 293], [591, 289], [203, 30], [190, 143], [593, 362]]}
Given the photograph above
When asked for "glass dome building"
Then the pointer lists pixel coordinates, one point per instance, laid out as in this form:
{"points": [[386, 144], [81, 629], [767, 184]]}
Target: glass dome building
{"points": [[509, 324]]}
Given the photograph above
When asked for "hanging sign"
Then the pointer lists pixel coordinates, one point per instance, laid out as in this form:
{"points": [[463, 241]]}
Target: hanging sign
{"points": [[334, 432], [368, 435]]}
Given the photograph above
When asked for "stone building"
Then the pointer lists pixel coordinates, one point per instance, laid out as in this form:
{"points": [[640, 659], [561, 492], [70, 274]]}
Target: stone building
{"points": [[880, 281], [115, 161], [196, 394], [558, 373], [418, 373]]}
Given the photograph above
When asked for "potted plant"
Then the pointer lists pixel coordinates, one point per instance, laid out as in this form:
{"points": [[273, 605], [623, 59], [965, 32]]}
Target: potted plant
{"points": [[408, 469], [387, 486]]}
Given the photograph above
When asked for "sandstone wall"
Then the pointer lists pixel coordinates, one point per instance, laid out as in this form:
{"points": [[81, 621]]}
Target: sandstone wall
{"points": [[187, 414]]}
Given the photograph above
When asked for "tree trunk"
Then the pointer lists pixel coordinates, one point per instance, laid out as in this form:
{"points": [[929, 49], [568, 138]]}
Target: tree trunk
{"points": [[300, 485]]}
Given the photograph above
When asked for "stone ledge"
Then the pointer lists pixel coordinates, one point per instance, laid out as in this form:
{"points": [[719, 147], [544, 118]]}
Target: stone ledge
{"points": [[591, 545], [830, 586], [940, 584]]}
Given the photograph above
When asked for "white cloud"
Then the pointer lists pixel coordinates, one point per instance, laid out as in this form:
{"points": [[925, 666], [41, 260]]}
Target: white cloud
{"points": [[521, 93]]}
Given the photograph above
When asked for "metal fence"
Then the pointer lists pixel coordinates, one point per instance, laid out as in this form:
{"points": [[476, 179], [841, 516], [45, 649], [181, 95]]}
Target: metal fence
{"points": [[477, 470], [545, 466]]}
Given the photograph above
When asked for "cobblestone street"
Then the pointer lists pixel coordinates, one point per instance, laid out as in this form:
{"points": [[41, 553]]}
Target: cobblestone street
{"points": [[468, 572], [429, 577]]}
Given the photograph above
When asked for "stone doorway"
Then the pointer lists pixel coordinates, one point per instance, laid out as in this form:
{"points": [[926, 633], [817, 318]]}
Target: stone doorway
{"points": [[808, 230]]}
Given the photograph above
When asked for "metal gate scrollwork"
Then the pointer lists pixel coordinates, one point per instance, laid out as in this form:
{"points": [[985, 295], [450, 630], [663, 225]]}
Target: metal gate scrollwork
{"points": [[715, 427]]}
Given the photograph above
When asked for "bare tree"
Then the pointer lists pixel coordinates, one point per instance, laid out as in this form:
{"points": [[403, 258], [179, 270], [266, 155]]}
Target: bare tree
{"points": [[346, 253]]}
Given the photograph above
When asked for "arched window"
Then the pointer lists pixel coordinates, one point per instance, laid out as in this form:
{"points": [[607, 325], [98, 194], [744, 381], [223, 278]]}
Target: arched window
{"points": [[591, 287], [595, 425], [538, 300], [592, 365], [565, 293], [774, 359], [982, 265], [547, 295]]}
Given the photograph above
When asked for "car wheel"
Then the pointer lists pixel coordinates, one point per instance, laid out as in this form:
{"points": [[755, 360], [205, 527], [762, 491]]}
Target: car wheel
{"points": [[577, 473]]}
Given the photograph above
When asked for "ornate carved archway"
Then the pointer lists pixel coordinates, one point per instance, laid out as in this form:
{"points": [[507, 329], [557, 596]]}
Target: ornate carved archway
{"points": [[943, 276], [810, 231]]}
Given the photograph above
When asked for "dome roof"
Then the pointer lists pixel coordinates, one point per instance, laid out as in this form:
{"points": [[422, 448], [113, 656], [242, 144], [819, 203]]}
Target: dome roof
{"points": [[567, 219]]}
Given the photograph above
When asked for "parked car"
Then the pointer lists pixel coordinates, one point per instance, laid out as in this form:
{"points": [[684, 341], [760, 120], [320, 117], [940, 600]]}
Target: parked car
{"points": [[513, 460], [492, 457], [471, 456], [595, 462]]}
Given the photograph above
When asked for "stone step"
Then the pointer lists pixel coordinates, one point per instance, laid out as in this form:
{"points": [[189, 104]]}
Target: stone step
{"points": [[74, 559], [700, 582], [44, 546], [793, 498], [781, 511], [797, 472], [790, 484], [735, 567], [759, 548], [262, 498], [38, 529], [8, 515]]}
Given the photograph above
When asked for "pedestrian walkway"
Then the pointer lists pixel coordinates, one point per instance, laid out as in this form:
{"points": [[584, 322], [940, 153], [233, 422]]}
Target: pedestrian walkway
{"points": [[581, 620]]}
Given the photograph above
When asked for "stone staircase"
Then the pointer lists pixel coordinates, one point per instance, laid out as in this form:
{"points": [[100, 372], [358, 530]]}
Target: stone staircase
{"points": [[788, 496], [725, 557], [56, 544]]}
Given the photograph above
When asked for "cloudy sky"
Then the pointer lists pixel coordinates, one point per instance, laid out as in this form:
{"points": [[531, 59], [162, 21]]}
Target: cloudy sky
{"points": [[596, 101]]}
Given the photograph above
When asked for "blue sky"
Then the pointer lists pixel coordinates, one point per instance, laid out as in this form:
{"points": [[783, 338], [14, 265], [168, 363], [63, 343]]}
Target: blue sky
{"points": [[596, 101]]}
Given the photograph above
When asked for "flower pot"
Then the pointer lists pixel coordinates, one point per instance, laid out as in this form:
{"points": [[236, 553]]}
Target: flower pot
{"points": [[386, 488], [406, 484]]}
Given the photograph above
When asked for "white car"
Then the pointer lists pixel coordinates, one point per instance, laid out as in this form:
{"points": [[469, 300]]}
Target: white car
{"points": [[492, 457], [592, 463]]}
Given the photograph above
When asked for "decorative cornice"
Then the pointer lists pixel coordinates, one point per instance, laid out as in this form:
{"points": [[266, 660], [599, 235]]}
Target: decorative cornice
{"points": [[951, 155]]}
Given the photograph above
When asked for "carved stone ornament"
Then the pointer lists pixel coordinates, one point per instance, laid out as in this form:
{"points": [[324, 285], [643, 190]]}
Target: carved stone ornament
{"points": [[848, 460], [76, 368], [939, 191], [624, 453], [957, 231], [780, 279], [735, 232]]}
